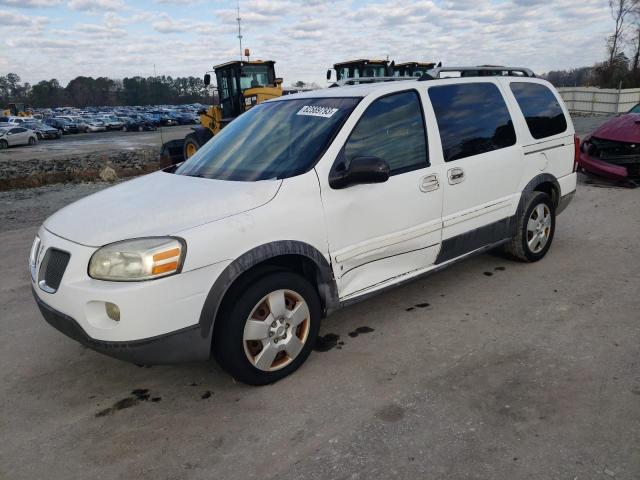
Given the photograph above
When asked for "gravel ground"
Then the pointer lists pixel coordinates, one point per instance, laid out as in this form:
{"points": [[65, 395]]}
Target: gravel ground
{"points": [[25, 207], [488, 369], [88, 143]]}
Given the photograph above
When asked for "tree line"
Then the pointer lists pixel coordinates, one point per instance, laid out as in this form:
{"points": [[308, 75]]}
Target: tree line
{"points": [[102, 91], [622, 66]]}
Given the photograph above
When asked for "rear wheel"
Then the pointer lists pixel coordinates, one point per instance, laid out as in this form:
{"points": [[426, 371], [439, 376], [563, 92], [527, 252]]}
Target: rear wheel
{"points": [[3, 144], [535, 229], [191, 145], [140, 129], [32, 141], [268, 329]]}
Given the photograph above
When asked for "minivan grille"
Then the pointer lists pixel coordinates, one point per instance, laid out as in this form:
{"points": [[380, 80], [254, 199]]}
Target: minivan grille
{"points": [[52, 268]]}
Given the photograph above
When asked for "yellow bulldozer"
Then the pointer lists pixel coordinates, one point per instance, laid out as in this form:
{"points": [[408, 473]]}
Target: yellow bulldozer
{"points": [[14, 110], [239, 85], [354, 69]]}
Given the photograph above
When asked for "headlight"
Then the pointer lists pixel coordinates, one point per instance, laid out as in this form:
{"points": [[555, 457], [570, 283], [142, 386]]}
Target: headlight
{"points": [[33, 256], [139, 259]]}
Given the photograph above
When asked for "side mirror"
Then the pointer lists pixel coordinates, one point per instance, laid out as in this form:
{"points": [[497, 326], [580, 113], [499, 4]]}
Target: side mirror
{"points": [[207, 79], [329, 74], [361, 170]]}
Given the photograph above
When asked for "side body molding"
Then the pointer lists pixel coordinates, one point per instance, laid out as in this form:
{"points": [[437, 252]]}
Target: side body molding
{"points": [[326, 283]]}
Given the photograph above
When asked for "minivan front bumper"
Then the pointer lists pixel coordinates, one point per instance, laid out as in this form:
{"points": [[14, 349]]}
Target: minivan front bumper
{"points": [[182, 345]]}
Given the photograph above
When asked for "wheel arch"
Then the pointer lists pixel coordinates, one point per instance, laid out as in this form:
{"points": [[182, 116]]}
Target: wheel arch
{"points": [[288, 255], [544, 182]]}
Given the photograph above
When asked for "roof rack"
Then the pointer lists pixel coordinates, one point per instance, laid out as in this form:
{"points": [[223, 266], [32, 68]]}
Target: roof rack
{"points": [[480, 71], [358, 80]]}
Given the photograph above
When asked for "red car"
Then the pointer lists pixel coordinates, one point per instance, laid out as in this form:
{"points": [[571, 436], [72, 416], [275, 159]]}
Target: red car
{"points": [[613, 149]]}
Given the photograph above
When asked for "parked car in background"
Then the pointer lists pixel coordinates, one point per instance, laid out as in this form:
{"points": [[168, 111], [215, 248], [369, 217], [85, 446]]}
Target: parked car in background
{"points": [[94, 125], [64, 126], [184, 119], [138, 124], [14, 136], [613, 149], [113, 123], [43, 131]]}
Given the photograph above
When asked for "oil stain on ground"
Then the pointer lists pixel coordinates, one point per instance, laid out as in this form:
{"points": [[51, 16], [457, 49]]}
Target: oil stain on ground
{"points": [[390, 413], [138, 395], [359, 331], [326, 343], [417, 305]]}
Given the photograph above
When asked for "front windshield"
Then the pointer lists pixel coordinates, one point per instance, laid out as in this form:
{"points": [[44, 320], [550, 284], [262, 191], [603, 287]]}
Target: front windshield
{"points": [[254, 76], [373, 71], [272, 140], [635, 109]]}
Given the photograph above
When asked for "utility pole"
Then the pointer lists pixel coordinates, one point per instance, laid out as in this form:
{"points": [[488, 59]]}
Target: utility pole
{"points": [[239, 30]]}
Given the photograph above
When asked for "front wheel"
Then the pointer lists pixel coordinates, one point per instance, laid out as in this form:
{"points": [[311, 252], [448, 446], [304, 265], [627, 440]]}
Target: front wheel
{"points": [[3, 144], [32, 141], [268, 330], [191, 145], [535, 229]]}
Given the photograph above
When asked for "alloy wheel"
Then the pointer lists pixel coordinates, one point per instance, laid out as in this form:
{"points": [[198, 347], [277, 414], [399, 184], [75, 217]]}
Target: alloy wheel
{"points": [[539, 228], [276, 330]]}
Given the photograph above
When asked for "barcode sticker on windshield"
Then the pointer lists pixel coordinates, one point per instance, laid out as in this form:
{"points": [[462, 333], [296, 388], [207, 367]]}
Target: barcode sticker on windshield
{"points": [[314, 111]]}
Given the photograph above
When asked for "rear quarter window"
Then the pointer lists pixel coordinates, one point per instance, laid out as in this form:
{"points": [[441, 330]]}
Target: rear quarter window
{"points": [[541, 110], [472, 118]]}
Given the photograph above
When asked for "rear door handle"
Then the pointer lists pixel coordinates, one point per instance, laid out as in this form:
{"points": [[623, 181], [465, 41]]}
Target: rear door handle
{"points": [[429, 183], [456, 175]]}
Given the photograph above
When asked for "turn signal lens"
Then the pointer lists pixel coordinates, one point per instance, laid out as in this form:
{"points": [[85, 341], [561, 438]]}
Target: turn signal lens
{"points": [[139, 259]]}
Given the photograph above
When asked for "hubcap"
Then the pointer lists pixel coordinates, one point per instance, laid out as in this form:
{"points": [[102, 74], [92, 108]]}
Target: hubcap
{"points": [[276, 330], [539, 228], [191, 150]]}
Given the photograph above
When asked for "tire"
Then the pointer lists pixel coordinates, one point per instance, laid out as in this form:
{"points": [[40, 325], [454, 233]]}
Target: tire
{"points": [[3, 144], [140, 129], [39, 135], [86, 130], [60, 132], [124, 129], [241, 350], [32, 141], [533, 240], [191, 145]]}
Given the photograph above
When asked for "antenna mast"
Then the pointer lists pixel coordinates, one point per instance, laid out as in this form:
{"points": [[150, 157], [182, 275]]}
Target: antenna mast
{"points": [[239, 30]]}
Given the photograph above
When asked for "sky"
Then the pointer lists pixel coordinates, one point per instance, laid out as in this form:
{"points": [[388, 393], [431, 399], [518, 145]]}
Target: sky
{"points": [[62, 39]]}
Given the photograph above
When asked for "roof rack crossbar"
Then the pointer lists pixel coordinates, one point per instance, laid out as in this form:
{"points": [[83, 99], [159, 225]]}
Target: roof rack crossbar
{"points": [[357, 80], [510, 71]]}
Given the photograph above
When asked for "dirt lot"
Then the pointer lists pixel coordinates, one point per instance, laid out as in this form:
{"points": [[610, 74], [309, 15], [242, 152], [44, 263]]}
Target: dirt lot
{"points": [[84, 143], [490, 369]]}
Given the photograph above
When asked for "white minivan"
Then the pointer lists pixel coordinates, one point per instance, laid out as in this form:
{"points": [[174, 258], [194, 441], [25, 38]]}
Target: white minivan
{"points": [[303, 205]]}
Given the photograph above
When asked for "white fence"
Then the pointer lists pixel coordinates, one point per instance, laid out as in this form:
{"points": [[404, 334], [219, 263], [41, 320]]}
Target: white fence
{"points": [[599, 101]]}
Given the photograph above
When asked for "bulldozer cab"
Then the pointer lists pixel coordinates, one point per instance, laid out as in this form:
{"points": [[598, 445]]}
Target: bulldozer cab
{"points": [[360, 68], [235, 83], [412, 69]]}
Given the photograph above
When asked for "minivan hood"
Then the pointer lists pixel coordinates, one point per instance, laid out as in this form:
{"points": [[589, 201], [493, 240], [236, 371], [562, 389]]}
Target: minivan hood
{"points": [[157, 204]]}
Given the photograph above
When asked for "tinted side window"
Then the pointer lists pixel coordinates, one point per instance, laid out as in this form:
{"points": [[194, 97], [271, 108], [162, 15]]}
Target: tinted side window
{"points": [[540, 108], [472, 119], [392, 128]]}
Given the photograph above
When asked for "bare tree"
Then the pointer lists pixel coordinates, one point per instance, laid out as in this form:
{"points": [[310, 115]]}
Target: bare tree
{"points": [[619, 11]]}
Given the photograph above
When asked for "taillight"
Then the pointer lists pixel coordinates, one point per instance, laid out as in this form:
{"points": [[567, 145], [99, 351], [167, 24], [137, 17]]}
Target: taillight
{"points": [[576, 155]]}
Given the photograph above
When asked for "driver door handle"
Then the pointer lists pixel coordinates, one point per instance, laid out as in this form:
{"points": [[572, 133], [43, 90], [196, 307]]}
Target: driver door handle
{"points": [[429, 183], [456, 175]]}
